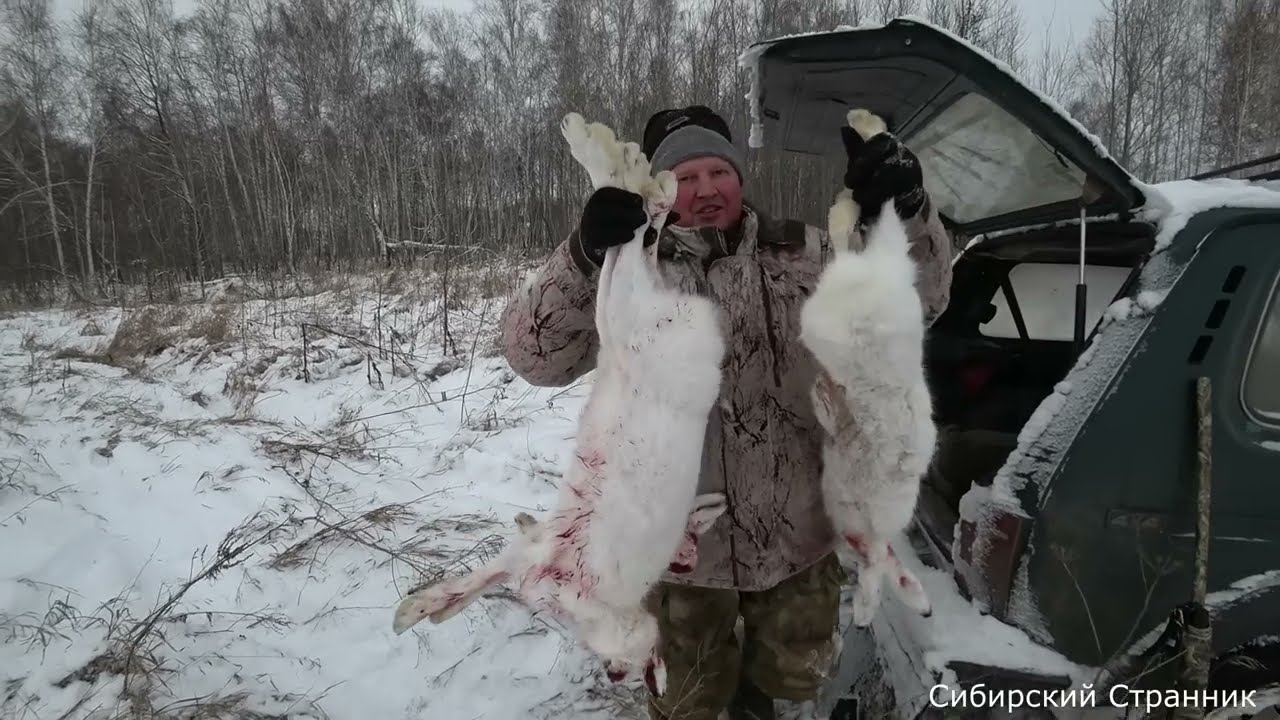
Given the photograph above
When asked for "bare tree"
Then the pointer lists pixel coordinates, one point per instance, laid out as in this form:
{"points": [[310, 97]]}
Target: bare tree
{"points": [[1054, 72], [1248, 52], [266, 135], [993, 25], [33, 73], [89, 121]]}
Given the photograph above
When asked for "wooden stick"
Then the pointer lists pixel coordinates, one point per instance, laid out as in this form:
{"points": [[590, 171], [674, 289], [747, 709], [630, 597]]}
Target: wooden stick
{"points": [[1196, 623], [1204, 475]]}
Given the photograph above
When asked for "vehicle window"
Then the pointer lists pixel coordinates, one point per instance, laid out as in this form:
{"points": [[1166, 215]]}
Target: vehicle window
{"points": [[1046, 295], [1262, 374], [973, 145]]}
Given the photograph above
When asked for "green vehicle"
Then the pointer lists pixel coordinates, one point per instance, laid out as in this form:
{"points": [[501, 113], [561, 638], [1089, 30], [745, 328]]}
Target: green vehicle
{"points": [[1106, 490]]}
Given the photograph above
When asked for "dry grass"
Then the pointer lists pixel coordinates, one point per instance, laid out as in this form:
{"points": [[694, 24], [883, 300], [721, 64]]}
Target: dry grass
{"points": [[402, 333], [16, 475], [152, 329], [20, 466], [33, 296], [346, 438], [245, 380], [137, 419], [14, 470], [144, 332], [366, 529], [477, 272], [398, 319], [134, 645], [432, 563], [92, 328], [617, 701], [375, 529], [233, 707], [214, 327], [147, 331]]}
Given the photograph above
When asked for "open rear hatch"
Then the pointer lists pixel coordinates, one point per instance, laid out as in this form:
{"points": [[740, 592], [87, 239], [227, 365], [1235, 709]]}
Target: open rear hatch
{"points": [[996, 156], [995, 153]]}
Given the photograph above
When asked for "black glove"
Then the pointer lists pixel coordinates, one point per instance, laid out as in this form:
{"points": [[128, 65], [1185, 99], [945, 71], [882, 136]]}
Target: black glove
{"points": [[879, 169], [609, 218]]}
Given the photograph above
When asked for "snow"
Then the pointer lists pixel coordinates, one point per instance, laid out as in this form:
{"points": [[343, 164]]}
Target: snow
{"points": [[1172, 204], [1241, 589], [917, 650], [749, 59], [1238, 591], [1054, 426], [1073, 221], [1223, 538], [118, 485], [1058, 419], [1149, 300], [1145, 303], [958, 630]]}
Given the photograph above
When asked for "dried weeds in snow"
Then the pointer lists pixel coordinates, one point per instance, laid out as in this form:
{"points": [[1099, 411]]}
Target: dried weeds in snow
{"points": [[390, 467]]}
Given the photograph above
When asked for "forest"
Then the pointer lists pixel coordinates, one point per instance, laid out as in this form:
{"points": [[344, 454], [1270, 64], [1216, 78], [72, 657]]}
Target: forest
{"points": [[143, 139]]}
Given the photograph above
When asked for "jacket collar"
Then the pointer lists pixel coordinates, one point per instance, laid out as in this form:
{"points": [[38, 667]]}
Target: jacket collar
{"points": [[708, 243]]}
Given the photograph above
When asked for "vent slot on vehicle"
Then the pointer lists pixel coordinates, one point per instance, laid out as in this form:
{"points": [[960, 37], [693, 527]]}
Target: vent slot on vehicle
{"points": [[1233, 279], [1200, 349], [1217, 314]]}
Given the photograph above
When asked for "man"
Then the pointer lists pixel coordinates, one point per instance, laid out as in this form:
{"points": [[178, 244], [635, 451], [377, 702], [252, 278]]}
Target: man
{"points": [[770, 559]]}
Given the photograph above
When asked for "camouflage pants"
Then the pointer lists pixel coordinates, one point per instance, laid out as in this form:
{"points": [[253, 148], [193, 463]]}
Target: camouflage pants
{"points": [[786, 652]]}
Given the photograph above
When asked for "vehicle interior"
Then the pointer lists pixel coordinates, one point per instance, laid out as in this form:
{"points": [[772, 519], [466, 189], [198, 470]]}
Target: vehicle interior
{"points": [[1006, 339]]}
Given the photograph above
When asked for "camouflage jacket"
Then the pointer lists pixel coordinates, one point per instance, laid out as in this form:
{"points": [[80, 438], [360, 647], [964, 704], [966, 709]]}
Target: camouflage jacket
{"points": [[763, 443]]}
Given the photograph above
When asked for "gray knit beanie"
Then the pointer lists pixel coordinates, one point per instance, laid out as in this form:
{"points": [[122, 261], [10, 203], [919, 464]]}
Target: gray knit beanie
{"points": [[678, 134], [692, 141]]}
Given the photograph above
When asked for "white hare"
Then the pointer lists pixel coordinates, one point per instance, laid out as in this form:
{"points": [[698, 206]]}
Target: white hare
{"points": [[865, 326], [628, 508]]}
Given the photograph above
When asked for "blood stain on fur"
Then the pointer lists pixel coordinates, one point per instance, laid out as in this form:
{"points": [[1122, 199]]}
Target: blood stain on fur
{"points": [[859, 545]]}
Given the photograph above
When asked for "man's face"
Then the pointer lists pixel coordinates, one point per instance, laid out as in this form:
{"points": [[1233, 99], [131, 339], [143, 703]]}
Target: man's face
{"points": [[709, 193]]}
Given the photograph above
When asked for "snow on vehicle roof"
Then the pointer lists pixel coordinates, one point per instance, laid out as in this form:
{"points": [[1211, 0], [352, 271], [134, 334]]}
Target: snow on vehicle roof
{"points": [[1172, 204]]}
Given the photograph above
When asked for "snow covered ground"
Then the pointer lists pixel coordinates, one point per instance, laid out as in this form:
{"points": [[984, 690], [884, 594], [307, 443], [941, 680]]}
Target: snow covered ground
{"points": [[190, 528]]}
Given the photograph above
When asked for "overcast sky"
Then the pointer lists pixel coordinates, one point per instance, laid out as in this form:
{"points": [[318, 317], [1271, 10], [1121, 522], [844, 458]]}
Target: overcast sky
{"points": [[1063, 16]]}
